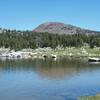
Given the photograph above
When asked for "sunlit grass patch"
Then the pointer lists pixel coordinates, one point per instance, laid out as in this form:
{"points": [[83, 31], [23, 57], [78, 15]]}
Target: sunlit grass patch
{"points": [[97, 97]]}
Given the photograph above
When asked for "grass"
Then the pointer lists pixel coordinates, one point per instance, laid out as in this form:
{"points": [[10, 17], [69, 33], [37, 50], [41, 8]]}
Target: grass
{"points": [[69, 51], [97, 97], [78, 51], [64, 52]]}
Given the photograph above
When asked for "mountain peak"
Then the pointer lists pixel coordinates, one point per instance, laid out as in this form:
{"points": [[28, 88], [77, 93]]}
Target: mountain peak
{"points": [[61, 28], [55, 27]]}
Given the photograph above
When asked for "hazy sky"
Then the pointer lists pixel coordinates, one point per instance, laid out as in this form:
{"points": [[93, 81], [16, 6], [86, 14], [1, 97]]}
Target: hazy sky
{"points": [[28, 14]]}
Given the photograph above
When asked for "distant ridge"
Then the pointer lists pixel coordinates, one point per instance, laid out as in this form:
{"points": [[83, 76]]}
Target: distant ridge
{"points": [[61, 28]]}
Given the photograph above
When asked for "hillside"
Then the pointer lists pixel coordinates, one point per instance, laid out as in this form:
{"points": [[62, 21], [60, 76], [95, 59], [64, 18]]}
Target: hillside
{"points": [[61, 28]]}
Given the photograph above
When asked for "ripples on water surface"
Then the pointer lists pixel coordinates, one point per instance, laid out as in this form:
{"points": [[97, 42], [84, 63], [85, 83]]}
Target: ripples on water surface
{"points": [[64, 79]]}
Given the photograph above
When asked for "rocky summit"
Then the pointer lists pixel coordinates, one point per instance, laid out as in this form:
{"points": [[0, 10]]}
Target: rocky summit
{"points": [[61, 28]]}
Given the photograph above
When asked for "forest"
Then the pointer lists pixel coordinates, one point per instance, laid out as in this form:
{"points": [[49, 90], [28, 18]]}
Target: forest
{"points": [[28, 39]]}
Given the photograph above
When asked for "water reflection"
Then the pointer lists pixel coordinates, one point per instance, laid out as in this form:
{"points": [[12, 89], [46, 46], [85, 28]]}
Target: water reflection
{"points": [[63, 79], [49, 68]]}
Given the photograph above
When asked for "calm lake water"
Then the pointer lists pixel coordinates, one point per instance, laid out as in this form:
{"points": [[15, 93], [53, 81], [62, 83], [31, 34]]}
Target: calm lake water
{"points": [[63, 79]]}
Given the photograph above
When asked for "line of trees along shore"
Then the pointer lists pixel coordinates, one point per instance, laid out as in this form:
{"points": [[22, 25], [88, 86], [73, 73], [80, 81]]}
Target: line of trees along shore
{"points": [[27, 39]]}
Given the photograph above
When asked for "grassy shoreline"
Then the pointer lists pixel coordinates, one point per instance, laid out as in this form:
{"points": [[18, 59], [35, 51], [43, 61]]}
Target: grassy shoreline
{"points": [[58, 52], [97, 97]]}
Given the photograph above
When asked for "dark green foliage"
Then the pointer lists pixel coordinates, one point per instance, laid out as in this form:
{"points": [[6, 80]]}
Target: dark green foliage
{"points": [[28, 39]]}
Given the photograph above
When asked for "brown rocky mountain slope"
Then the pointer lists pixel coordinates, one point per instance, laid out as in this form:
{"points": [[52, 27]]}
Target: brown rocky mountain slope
{"points": [[61, 28]]}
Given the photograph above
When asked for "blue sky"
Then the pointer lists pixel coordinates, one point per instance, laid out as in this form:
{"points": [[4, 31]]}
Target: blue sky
{"points": [[28, 14]]}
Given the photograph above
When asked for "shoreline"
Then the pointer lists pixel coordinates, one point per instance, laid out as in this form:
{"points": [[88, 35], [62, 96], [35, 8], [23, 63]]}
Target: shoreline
{"points": [[43, 53], [96, 97]]}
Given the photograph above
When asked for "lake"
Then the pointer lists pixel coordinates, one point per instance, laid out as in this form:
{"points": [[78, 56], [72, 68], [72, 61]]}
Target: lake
{"points": [[62, 79]]}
